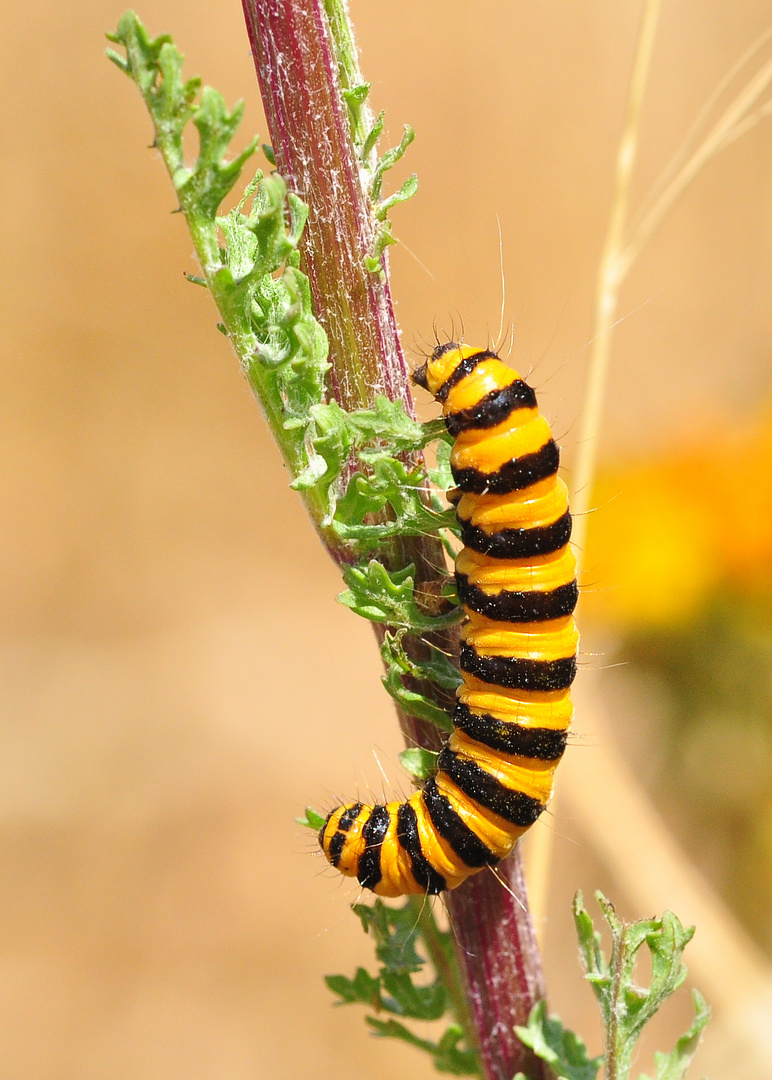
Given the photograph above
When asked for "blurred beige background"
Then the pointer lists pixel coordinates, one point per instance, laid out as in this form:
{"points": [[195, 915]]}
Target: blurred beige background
{"points": [[177, 680]]}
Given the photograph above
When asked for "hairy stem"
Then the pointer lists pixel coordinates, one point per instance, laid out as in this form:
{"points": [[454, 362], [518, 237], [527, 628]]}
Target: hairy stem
{"points": [[501, 966], [305, 59], [308, 120]]}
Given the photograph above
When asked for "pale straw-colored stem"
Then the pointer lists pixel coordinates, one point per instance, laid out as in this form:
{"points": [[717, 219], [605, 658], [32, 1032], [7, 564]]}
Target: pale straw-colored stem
{"points": [[735, 121], [609, 281], [539, 847], [619, 255], [699, 124]]}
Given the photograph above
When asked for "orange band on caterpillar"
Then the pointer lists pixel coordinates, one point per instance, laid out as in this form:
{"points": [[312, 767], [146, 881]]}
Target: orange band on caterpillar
{"points": [[516, 579]]}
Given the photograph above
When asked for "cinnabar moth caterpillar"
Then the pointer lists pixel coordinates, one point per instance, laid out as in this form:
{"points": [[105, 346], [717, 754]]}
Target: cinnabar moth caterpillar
{"points": [[516, 578]]}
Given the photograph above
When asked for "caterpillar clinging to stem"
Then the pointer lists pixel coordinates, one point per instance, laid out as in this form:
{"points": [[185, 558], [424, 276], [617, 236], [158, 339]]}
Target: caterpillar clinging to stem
{"points": [[516, 579]]}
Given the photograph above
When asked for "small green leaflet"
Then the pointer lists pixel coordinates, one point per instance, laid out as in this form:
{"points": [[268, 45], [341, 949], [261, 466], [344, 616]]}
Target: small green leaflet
{"points": [[385, 597], [564, 1052], [626, 1007], [394, 991]]}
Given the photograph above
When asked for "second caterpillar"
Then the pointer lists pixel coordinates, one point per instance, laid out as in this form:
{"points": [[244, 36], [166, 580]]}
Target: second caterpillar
{"points": [[516, 579]]}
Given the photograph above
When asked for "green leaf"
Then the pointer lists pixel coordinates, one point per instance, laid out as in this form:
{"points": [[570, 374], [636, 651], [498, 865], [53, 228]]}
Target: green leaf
{"points": [[394, 932], [407, 191], [415, 703], [388, 423], [311, 819], [376, 594], [372, 136], [389, 485], [627, 1007], [389, 160], [212, 176], [411, 1001], [357, 95], [437, 669], [332, 442], [420, 763], [249, 256], [363, 988], [673, 1066], [447, 1055], [375, 435], [441, 474], [383, 239], [564, 1052]]}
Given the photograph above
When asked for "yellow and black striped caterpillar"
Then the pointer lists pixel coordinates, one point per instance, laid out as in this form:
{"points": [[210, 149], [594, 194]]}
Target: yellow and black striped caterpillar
{"points": [[516, 579]]}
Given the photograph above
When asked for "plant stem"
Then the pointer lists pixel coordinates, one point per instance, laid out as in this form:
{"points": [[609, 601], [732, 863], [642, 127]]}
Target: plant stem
{"points": [[308, 121], [610, 276], [609, 281], [297, 61], [617, 1056], [625, 240], [500, 964], [735, 121]]}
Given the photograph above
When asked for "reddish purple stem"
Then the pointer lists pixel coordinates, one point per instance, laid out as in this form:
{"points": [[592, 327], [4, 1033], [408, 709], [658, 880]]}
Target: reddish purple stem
{"points": [[498, 954], [309, 128]]}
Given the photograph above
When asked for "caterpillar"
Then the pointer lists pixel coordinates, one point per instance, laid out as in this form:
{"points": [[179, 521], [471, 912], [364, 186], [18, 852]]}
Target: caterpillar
{"points": [[516, 580]]}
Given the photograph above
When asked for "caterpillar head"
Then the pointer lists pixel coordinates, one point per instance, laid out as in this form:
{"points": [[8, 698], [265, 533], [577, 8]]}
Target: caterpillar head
{"points": [[433, 373]]}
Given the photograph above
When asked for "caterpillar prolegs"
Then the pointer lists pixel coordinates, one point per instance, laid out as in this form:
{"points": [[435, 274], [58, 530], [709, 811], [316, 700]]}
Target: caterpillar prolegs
{"points": [[516, 579]]}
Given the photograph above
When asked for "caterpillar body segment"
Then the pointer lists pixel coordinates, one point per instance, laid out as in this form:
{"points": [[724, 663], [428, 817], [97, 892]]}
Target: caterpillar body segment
{"points": [[516, 579]]}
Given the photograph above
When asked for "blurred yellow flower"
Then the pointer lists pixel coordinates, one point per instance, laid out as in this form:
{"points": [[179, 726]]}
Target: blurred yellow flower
{"points": [[669, 531]]}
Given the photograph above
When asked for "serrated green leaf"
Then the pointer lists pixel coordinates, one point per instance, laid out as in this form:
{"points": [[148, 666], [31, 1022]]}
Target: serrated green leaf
{"points": [[407, 191], [206, 185], [447, 1055], [420, 763], [376, 594], [372, 136], [362, 989], [394, 486], [332, 443], [673, 1066], [388, 423], [389, 160], [311, 819], [437, 669], [415, 703], [249, 257], [564, 1052], [376, 435], [626, 1006], [394, 932], [411, 1001]]}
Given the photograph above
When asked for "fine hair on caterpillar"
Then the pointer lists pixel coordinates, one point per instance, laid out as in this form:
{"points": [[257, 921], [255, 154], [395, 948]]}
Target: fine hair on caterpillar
{"points": [[516, 580]]}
